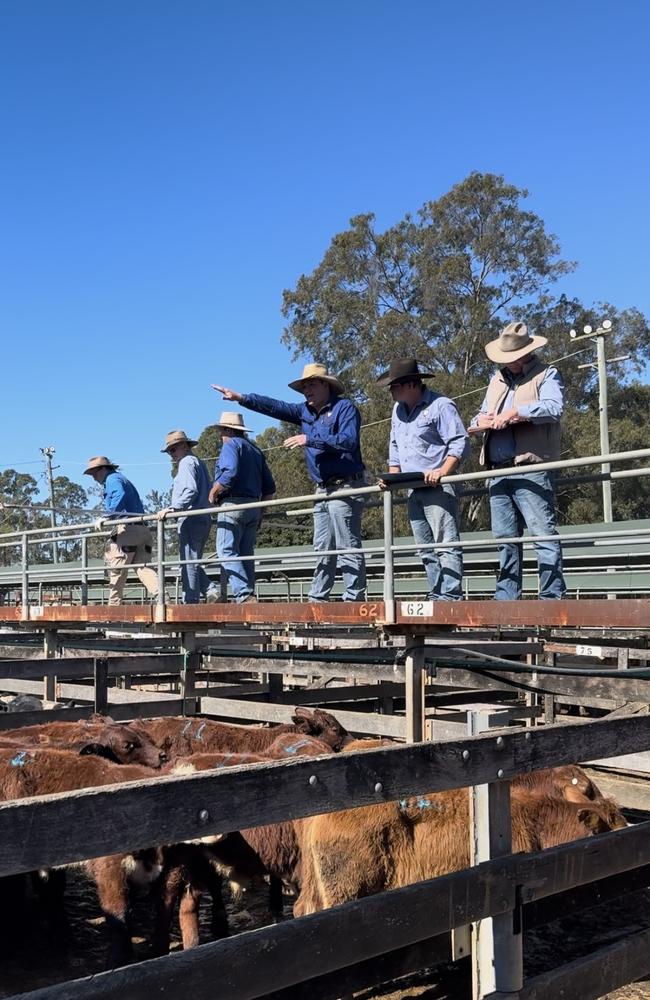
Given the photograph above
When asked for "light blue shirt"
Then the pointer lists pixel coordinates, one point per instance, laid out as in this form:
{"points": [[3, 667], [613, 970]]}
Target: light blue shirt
{"points": [[425, 437], [546, 410], [191, 488]]}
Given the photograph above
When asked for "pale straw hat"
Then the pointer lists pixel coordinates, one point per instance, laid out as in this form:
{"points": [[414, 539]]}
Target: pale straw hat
{"points": [[99, 462], [177, 437], [315, 370], [232, 422], [514, 342]]}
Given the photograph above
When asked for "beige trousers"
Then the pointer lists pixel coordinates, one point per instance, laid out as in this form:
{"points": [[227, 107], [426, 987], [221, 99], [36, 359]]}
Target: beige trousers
{"points": [[132, 543]]}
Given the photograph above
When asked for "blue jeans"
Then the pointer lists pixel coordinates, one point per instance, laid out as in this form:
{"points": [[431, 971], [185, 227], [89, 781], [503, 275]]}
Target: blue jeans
{"points": [[236, 534], [433, 513], [192, 536], [337, 525], [518, 502]]}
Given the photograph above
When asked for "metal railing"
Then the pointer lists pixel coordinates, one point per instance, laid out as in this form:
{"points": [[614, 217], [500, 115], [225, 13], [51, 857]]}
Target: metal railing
{"points": [[83, 532]]}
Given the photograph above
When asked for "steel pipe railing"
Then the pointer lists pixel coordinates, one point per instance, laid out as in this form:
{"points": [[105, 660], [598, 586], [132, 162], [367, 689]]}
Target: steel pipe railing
{"points": [[82, 532]]}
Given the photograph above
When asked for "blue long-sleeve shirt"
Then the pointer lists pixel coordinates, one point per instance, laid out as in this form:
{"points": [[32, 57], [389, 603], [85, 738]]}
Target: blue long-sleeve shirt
{"points": [[424, 437], [191, 488], [333, 449], [242, 470], [547, 409], [121, 496]]}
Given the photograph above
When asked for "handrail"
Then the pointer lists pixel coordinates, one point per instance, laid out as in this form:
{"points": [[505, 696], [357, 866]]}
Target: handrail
{"points": [[83, 531]]}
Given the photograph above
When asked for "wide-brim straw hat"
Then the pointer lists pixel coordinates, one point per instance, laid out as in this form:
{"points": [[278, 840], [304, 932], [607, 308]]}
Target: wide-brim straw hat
{"points": [[232, 422], [513, 342], [402, 368], [315, 370], [99, 462], [177, 437]]}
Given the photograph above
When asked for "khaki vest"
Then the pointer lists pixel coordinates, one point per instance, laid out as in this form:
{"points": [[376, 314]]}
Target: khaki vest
{"points": [[534, 442]]}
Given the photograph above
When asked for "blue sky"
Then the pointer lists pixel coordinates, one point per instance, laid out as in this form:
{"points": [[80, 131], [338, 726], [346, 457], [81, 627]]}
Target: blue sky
{"points": [[168, 168]]}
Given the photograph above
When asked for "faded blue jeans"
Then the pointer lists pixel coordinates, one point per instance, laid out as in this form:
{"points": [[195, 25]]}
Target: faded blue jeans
{"points": [[516, 503], [236, 534], [337, 525], [433, 513], [192, 535]]}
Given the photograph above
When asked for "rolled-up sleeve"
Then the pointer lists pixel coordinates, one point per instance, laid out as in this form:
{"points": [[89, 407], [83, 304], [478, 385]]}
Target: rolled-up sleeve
{"points": [[452, 431], [548, 408]]}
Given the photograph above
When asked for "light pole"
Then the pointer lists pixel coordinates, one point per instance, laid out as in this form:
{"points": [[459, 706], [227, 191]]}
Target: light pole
{"points": [[48, 454], [598, 338]]}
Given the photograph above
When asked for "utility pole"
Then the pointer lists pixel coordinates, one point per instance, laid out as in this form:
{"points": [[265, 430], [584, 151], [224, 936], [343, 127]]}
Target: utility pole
{"points": [[48, 454], [598, 338]]}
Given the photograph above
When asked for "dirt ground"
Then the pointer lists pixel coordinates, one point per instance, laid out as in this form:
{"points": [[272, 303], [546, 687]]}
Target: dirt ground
{"points": [[36, 963]]}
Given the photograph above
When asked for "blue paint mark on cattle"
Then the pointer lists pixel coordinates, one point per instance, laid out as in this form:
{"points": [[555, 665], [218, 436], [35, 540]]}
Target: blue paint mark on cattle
{"points": [[187, 726], [295, 747], [403, 803], [20, 759], [200, 730], [424, 804]]}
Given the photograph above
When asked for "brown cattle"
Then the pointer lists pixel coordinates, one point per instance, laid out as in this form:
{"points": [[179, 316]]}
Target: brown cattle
{"points": [[182, 737], [359, 852], [99, 735]]}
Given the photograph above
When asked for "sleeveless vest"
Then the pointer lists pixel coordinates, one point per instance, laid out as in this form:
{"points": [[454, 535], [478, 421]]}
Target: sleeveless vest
{"points": [[533, 442]]}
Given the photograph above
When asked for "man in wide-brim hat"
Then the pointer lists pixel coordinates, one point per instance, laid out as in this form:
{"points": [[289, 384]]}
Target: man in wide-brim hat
{"points": [[427, 436], [329, 432], [128, 543], [190, 492], [520, 421], [241, 476]]}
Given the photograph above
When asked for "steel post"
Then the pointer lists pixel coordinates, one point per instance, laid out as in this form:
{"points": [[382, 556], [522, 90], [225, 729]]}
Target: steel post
{"points": [[160, 561], [389, 576], [604, 427], [84, 569], [24, 574]]}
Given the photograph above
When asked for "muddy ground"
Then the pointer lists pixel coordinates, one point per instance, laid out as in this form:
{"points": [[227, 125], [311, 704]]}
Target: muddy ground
{"points": [[36, 963]]}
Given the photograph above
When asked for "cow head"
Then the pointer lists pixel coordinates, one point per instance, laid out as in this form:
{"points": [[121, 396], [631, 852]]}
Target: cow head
{"points": [[322, 726], [122, 744]]}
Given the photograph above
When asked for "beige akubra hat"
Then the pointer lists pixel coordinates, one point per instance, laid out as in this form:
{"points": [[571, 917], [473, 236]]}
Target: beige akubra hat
{"points": [[317, 371], [514, 342], [99, 462], [177, 437], [232, 422]]}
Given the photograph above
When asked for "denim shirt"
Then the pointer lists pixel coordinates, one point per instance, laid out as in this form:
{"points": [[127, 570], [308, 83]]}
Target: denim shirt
{"points": [[242, 470], [424, 437], [191, 488], [548, 409], [333, 449], [121, 496]]}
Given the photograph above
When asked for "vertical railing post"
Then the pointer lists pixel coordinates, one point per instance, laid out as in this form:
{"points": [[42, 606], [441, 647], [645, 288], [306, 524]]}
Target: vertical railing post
{"points": [[389, 575], [188, 672], [497, 953], [160, 561], [84, 569], [101, 685], [415, 676], [50, 649], [24, 567]]}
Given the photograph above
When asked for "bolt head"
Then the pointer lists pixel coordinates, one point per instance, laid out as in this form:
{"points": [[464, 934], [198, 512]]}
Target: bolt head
{"points": [[500, 773], [528, 736], [500, 741], [379, 787], [465, 754], [313, 780], [204, 815]]}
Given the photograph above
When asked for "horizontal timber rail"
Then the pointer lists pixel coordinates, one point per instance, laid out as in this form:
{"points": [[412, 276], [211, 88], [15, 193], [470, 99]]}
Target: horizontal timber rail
{"points": [[59, 829], [417, 615], [276, 957]]}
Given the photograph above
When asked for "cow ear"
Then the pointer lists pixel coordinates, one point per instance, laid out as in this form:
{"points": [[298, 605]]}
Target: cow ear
{"points": [[98, 717], [592, 819], [573, 794], [98, 750]]}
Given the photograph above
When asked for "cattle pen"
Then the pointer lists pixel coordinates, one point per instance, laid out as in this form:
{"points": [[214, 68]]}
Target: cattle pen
{"points": [[476, 692]]}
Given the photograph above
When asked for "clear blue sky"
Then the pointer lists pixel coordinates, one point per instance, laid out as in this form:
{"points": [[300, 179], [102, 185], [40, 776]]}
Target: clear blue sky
{"points": [[168, 168]]}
